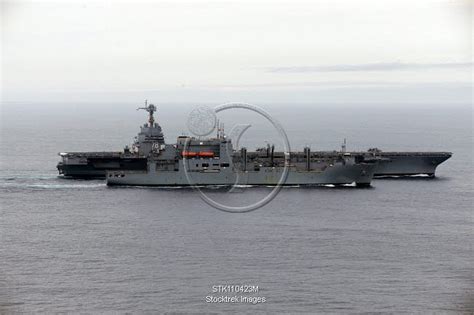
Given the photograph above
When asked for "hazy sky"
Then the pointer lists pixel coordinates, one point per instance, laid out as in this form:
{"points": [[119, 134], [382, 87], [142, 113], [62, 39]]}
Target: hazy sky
{"points": [[253, 51]]}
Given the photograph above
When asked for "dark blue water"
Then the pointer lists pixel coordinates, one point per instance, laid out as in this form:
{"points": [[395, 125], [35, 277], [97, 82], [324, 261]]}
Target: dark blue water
{"points": [[79, 246]]}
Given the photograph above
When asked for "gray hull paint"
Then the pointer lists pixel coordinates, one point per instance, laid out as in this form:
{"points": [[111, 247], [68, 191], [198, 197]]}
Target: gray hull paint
{"points": [[410, 163], [361, 174], [150, 142], [395, 163]]}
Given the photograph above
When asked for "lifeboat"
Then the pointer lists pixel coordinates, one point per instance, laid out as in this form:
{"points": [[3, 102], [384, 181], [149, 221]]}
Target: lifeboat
{"points": [[206, 154], [188, 154]]}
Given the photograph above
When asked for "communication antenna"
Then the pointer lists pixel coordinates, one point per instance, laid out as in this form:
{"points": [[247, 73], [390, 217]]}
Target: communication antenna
{"points": [[343, 147], [151, 109]]}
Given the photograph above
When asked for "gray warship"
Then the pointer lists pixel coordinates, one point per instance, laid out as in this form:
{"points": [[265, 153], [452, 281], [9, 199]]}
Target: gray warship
{"points": [[194, 161], [403, 163], [90, 165], [150, 141], [213, 161]]}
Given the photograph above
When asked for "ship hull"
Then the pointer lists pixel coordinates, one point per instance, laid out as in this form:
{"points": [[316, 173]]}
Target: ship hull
{"points": [[389, 164], [409, 164], [91, 165], [80, 171], [360, 174]]}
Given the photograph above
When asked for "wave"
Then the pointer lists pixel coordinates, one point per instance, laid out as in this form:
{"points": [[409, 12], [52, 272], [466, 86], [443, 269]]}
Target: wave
{"points": [[49, 186], [64, 186], [350, 185], [45, 182], [27, 177]]}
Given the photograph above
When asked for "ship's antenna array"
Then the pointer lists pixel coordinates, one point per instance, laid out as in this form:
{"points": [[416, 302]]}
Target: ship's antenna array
{"points": [[343, 146], [220, 130], [151, 109]]}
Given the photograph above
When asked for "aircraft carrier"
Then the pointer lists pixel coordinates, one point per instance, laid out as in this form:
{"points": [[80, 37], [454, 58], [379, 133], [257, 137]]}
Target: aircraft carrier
{"points": [[403, 164], [150, 140]]}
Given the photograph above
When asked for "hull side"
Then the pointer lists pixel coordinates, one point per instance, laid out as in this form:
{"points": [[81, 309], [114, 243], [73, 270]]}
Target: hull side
{"points": [[96, 167], [80, 171], [360, 174], [406, 165]]}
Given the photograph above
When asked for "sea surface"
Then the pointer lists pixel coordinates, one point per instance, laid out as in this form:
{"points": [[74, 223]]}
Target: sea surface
{"points": [[403, 245]]}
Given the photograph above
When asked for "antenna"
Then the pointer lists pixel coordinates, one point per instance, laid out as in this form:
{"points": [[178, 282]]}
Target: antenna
{"points": [[343, 147], [151, 109]]}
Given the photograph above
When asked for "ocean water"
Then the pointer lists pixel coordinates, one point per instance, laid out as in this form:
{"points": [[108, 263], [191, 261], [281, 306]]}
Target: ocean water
{"points": [[404, 245]]}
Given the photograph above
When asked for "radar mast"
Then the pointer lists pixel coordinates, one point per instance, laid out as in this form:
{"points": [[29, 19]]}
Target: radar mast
{"points": [[151, 109]]}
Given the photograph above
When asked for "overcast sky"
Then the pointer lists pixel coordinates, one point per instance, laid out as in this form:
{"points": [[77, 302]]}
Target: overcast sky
{"points": [[252, 51]]}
